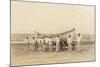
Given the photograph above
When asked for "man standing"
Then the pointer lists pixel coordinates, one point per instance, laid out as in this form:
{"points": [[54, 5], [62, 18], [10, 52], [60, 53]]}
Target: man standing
{"points": [[38, 43], [50, 44], [78, 42], [42, 43], [33, 43], [45, 44], [69, 41], [26, 43], [57, 44]]}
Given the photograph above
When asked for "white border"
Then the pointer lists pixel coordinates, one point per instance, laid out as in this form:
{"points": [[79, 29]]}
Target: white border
{"points": [[5, 33]]}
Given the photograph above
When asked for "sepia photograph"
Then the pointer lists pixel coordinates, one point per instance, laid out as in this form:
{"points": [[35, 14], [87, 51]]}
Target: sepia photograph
{"points": [[51, 33]]}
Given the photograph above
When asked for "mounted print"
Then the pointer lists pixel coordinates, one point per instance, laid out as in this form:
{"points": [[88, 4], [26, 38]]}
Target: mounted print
{"points": [[51, 33]]}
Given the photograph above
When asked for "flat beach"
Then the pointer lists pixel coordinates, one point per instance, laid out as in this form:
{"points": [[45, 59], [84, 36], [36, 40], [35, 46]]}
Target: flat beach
{"points": [[20, 57]]}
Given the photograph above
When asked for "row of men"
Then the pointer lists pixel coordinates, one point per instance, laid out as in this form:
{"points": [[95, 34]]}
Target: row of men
{"points": [[42, 42]]}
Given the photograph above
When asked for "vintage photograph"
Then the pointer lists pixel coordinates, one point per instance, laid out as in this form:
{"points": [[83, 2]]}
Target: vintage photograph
{"points": [[51, 33]]}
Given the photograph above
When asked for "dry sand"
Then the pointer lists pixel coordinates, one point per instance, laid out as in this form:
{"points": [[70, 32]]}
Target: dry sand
{"points": [[19, 57]]}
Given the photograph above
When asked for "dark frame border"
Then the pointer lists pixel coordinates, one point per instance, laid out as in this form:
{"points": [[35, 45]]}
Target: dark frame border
{"points": [[58, 4]]}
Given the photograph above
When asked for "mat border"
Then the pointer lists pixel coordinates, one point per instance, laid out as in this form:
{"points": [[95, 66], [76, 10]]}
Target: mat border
{"points": [[58, 4]]}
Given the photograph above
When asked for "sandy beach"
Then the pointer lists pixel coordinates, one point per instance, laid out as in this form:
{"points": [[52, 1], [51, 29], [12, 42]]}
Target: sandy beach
{"points": [[20, 57]]}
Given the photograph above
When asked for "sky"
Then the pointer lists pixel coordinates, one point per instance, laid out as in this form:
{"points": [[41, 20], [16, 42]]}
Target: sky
{"points": [[27, 17]]}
